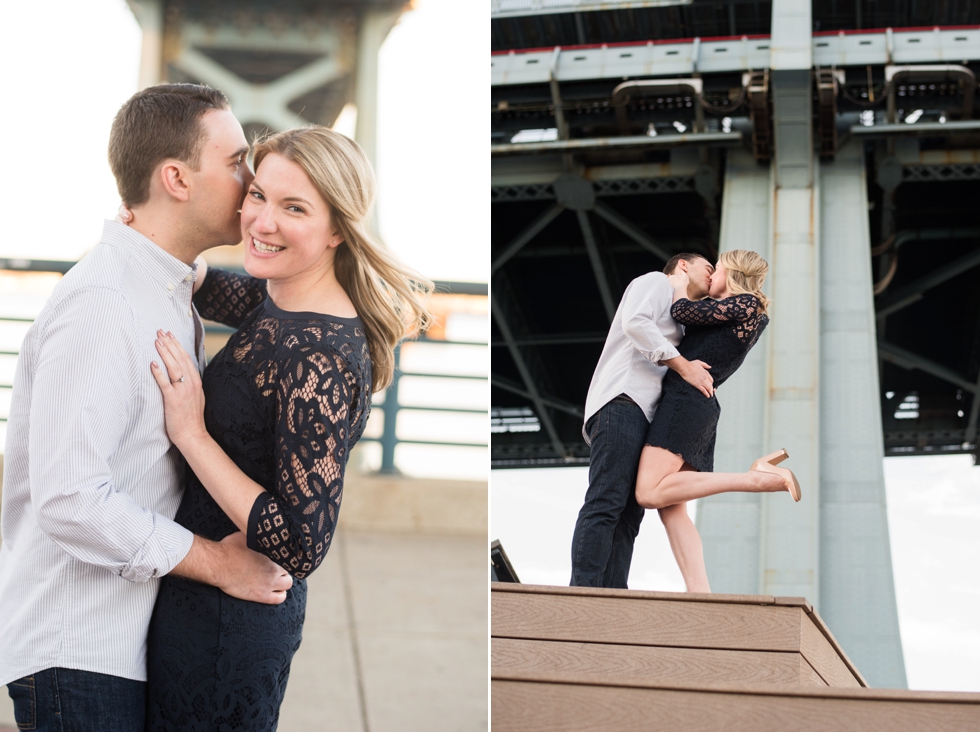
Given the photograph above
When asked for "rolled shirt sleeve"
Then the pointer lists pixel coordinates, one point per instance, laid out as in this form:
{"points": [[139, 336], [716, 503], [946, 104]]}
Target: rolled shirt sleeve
{"points": [[84, 396], [641, 311]]}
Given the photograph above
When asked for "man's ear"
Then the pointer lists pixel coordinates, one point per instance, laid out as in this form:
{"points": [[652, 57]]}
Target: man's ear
{"points": [[682, 265], [174, 177]]}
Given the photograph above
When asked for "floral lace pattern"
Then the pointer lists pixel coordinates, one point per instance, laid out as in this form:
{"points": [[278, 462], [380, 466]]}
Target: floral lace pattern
{"points": [[719, 333], [287, 398]]}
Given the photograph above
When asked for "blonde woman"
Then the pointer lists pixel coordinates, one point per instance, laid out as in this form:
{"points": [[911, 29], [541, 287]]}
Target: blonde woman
{"points": [[676, 462], [268, 436]]}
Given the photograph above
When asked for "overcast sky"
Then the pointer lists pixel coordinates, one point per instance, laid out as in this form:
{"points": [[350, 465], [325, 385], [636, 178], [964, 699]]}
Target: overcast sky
{"points": [[934, 523]]}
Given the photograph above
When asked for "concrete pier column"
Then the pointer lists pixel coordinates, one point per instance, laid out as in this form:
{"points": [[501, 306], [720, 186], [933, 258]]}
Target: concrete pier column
{"points": [[790, 531], [857, 590], [729, 523]]}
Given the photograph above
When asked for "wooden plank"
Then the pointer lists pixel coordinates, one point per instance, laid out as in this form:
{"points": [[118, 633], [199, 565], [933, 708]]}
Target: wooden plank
{"points": [[634, 621], [645, 594], [822, 656], [523, 706], [689, 664], [809, 677], [825, 631]]}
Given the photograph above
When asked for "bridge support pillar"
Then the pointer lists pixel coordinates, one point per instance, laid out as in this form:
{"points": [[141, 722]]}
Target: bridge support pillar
{"points": [[730, 522], [857, 590], [811, 383]]}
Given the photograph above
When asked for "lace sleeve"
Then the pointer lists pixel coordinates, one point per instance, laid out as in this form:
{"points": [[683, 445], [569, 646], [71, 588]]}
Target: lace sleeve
{"points": [[737, 309], [294, 524], [228, 297]]}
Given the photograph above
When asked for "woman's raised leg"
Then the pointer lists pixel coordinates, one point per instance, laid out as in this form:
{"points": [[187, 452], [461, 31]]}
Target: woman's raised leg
{"points": [[660, 482]]}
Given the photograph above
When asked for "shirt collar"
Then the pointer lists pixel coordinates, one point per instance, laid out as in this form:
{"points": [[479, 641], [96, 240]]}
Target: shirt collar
{"points": [[152, 258]]}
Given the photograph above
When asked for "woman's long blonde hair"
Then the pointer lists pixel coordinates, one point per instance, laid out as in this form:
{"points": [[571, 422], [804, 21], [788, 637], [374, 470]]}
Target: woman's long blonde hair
{"points": [[746, 273], [390, 298]]}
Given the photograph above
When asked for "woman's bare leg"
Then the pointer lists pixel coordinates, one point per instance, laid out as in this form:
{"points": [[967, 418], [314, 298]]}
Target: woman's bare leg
{"points": [[657, 465], [660, 482], [685, 543]]}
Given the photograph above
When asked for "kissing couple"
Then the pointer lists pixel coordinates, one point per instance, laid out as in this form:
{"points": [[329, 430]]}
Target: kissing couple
{"points": [[651, 414]]}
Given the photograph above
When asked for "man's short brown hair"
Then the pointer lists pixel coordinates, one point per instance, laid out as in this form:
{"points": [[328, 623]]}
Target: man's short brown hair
{"points": [[156, 124], [686, 256]]}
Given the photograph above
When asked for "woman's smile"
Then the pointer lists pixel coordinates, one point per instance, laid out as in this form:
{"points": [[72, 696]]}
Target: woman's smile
{"points": [[261, 247]]}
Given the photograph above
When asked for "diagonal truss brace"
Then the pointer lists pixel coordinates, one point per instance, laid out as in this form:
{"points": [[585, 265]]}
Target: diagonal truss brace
{"points": [[908, 360], [263, 103], [532, 390], [597, 267], [912, 292], [522, 239], [630, 229], [553, 402]]}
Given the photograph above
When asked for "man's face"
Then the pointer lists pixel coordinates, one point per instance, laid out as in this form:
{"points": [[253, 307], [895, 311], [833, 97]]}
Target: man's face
{"points": [[222, 179], [699, 271]]}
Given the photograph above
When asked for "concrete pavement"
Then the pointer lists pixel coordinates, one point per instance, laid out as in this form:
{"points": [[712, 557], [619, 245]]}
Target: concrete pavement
{"points": [[396, 634]]}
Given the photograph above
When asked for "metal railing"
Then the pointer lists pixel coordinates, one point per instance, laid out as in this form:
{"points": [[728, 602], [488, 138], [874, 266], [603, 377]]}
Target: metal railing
{"points": [[390, 407]]}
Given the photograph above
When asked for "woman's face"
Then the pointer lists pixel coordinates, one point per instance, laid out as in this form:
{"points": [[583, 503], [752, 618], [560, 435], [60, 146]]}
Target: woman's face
{"points": [[286, 226], [719, 281]]}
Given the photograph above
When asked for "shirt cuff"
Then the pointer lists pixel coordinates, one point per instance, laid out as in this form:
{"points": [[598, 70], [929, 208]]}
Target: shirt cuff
{"points": [[166, 547], [663, 354]]}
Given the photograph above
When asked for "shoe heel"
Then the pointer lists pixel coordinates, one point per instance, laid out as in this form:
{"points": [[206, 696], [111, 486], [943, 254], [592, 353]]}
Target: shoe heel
{"points": [[774, 458]]}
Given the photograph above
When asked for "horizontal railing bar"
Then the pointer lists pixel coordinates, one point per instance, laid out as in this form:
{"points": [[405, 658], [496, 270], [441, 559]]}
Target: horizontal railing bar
{"points": [[429, 442], [442, 376], [461, 410], [213, 327], [16, 320]]}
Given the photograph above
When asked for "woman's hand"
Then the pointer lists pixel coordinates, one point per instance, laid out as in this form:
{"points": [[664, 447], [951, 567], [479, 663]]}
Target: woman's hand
{"points": [[124, 215], [183, 395], [679, 280]]}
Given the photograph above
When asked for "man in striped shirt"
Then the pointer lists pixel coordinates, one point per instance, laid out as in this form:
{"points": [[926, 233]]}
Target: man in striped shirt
{"points": [[92, 482]]}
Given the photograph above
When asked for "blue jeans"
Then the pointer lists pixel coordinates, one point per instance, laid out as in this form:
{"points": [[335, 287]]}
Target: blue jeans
{"points": [[602, 546], [67, 700]]}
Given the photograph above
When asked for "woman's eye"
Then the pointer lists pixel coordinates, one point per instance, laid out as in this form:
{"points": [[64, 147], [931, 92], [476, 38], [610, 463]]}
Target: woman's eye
{"points": [[255, 194], [295, 209]]}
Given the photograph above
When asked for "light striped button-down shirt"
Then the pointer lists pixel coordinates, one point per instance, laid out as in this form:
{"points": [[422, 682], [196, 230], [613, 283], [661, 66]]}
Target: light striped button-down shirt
{"points": [[91, 482], [642, 334]]}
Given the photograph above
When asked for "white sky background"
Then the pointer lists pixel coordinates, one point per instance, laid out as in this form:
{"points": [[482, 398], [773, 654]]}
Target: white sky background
{"points": [[69, 73], [934, 522]]}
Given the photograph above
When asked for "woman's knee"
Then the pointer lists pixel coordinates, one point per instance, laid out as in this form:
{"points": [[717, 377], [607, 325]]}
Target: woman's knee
{"points": [[655, 465]]}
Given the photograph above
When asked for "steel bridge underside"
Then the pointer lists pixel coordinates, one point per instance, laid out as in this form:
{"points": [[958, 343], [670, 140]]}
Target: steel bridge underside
{"points": [[616, 186]]}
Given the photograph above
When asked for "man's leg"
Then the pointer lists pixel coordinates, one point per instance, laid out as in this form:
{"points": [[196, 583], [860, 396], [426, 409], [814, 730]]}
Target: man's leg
{"points": [[67, 700], [618, 568], [601, 547]]}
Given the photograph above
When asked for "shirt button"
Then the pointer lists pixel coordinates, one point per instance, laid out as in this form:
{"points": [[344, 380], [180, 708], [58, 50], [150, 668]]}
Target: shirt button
{"points": [[190, 313], [170, 286], [188, 278]]}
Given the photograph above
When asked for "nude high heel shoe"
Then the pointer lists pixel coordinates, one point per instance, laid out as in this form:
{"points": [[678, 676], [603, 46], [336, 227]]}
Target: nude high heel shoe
{"points": [[768, 464]]}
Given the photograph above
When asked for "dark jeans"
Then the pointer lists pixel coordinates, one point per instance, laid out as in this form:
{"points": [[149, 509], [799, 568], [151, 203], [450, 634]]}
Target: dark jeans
{"points": [[67, 700], [602, 546]]}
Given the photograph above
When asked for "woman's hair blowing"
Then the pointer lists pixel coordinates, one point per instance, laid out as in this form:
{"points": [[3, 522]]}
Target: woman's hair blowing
{"points": [[746, 273], [390, 298]]}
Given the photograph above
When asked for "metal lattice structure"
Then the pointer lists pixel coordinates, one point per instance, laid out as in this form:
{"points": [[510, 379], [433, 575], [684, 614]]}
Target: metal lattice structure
{"points": [[281, 64]]}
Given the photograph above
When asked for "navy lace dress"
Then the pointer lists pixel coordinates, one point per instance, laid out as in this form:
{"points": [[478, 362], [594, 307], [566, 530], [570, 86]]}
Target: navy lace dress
{"points": [[720, 333], [287, 398]]}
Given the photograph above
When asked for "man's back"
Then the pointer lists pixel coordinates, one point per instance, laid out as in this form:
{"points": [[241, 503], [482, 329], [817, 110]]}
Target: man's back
{"points": [[642, 334]]}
